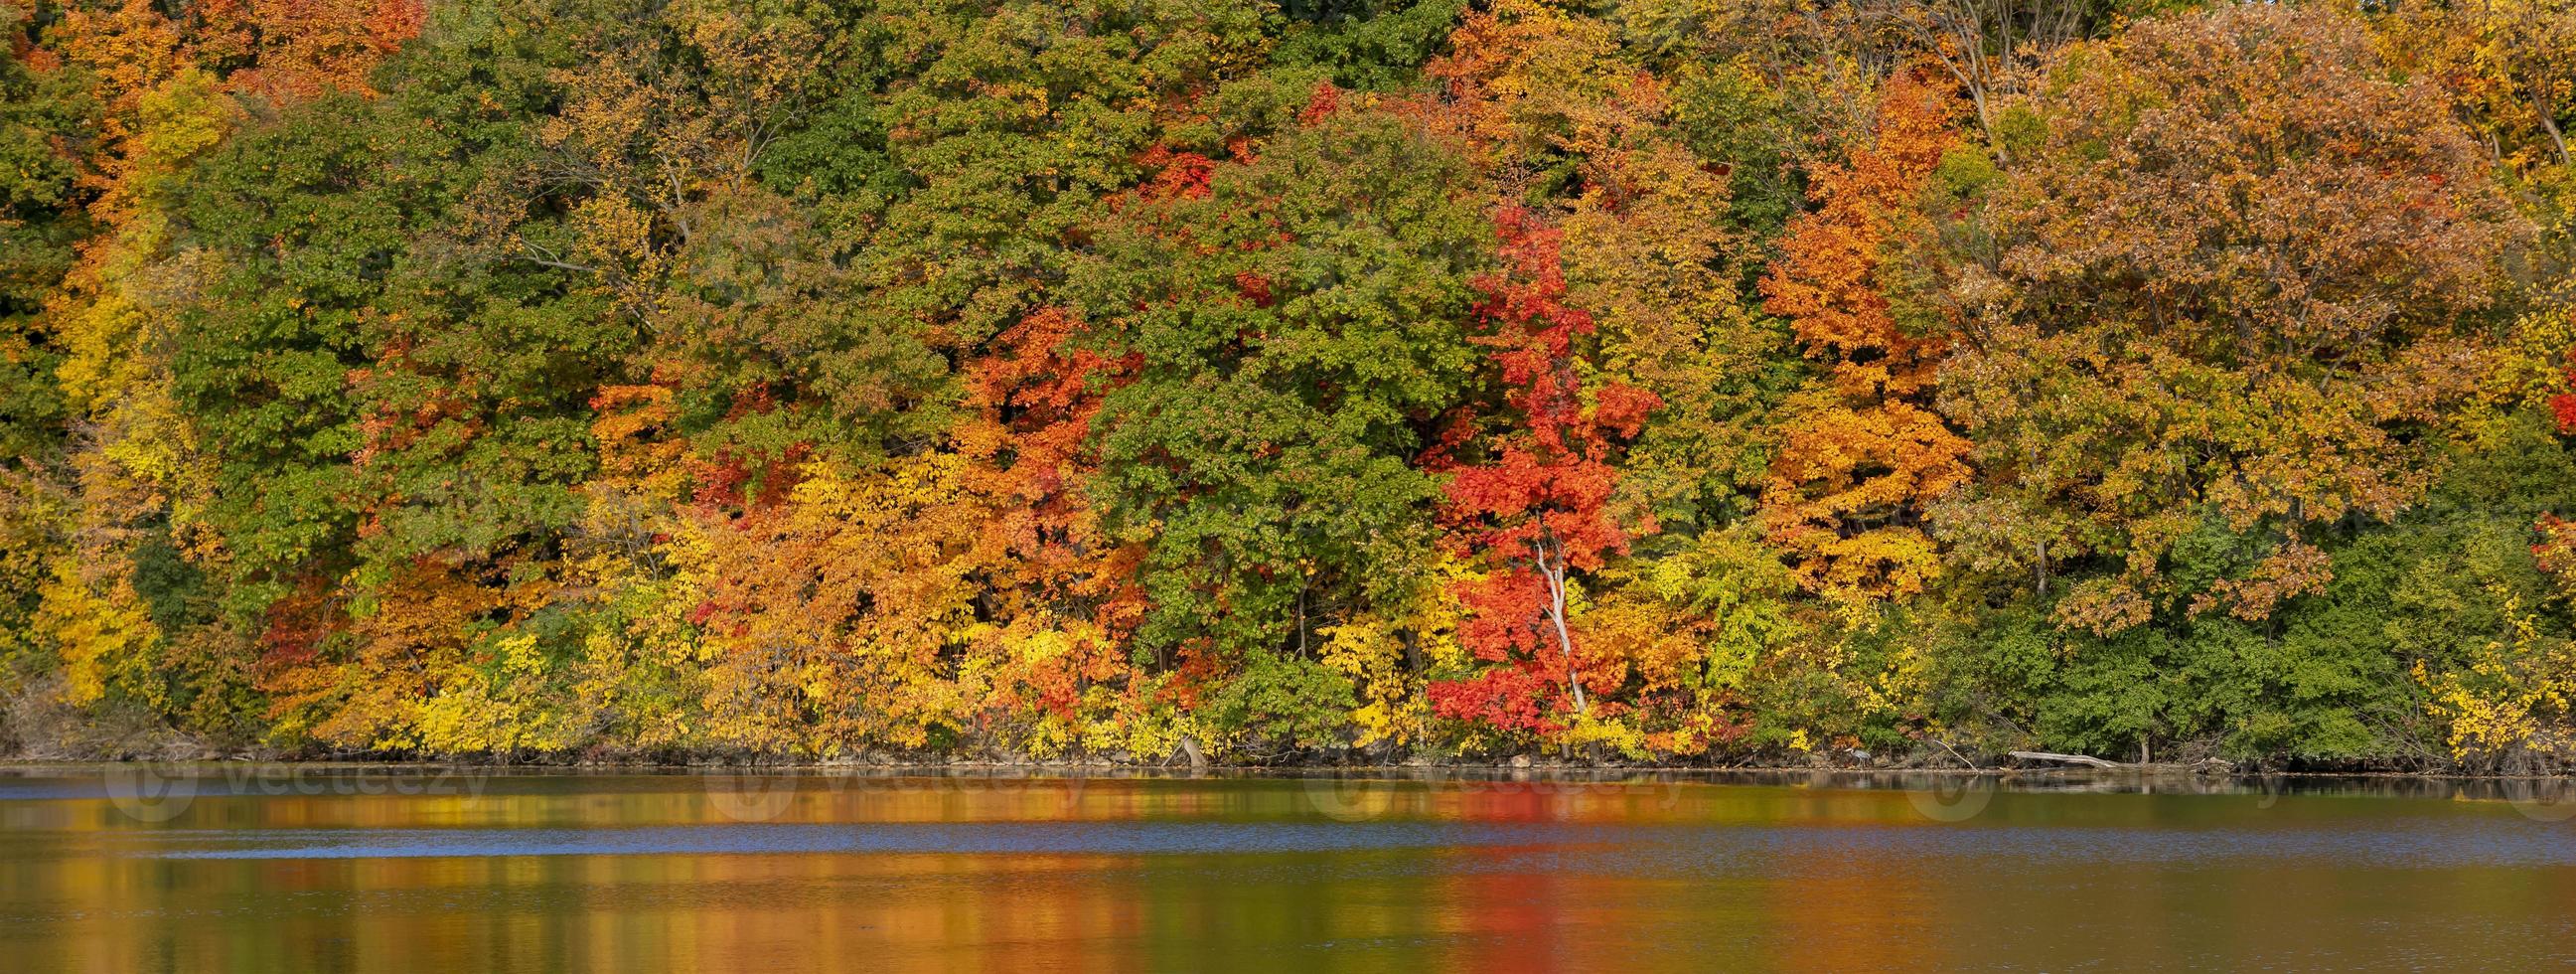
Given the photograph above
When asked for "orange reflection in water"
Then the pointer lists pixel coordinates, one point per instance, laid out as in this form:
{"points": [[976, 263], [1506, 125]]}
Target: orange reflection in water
{"points": [[1130, 874]]}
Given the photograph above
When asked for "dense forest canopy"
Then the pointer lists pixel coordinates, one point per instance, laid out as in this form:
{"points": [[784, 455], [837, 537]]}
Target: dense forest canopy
{"points": [[1341, 380]]}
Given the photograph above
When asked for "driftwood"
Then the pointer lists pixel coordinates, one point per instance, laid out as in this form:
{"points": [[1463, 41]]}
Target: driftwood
{"points": [[1954, 753], [2090, 762]]}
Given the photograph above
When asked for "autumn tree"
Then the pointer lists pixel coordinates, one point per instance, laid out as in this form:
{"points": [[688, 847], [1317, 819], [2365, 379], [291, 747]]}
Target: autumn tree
{"points": [[2235, 275], [2504, 64], [293, 50], [383, 390], [1563, 119], [831, 615], [2503, 67], [1681, 379], [1990, 50], [1530, 501], [1060, 593], [1862, 454], [43, 108], [1018, 126]]}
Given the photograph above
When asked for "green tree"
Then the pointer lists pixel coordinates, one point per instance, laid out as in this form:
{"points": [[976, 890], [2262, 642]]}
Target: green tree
{"points": [[1296, 326]]}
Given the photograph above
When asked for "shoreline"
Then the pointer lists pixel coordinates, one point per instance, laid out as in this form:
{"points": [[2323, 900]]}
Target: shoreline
{"points": [[1606, 773]]}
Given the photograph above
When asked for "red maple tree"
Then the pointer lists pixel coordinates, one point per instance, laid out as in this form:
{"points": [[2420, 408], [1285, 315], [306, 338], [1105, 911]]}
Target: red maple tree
{"points": [[1534, 509]]}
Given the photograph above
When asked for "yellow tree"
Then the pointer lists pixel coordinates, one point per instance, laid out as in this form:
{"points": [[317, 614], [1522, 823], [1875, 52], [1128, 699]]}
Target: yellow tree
{"points": [[834, 619], [2509, 67], [133, 460], [163, 84]]}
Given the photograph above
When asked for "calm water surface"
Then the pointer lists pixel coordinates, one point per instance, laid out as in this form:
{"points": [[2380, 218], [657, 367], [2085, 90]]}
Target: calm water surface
{"points": [[239, 868]]}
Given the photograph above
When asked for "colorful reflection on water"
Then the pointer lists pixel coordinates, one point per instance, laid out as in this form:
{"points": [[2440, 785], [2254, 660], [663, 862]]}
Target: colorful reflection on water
{"points": [[244, 868]]}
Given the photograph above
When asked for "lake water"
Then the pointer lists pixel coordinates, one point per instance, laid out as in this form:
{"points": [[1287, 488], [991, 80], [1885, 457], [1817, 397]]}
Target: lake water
{"points": [[241, 868]]}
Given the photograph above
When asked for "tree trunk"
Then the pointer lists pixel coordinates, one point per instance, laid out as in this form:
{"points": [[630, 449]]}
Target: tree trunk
{"points": [[2556, 138], [1555, 574], [2086, 760]]}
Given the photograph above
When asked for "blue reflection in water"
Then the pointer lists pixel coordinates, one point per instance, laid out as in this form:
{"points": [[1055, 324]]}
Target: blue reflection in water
{"points": [[1612, 849]]}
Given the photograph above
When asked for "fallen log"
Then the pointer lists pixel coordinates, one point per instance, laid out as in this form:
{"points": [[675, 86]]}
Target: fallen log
{"points": [[2090, 762]]}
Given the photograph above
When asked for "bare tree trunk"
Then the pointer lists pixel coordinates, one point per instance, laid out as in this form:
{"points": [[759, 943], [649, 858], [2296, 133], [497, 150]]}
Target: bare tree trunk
{"points": [[2082, 759], [2556, 138], [2041, 549], [1553, 569], [1565, 640]]}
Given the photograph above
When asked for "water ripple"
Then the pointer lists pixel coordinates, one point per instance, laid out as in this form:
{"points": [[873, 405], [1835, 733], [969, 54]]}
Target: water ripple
{"points": [[1598, 848]]}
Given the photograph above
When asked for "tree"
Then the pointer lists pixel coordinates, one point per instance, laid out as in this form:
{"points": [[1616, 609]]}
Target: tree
{"points": [[2503, 63], [1561, 119], [1295, 330], [2235, 272], [1991, 48], [1060, 593], [1861, 455], [1531, 502], [293, 50], [832, 616]]}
